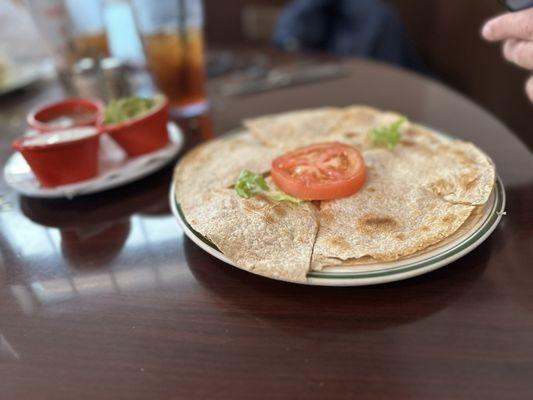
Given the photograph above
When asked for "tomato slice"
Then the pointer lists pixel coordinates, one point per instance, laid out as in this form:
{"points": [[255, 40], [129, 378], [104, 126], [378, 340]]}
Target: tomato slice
{"points": [[322, 171]]}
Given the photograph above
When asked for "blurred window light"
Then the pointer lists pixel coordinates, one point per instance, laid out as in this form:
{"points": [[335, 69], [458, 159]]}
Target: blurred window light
{"points": [[91, 285], [24, 298], [139, 278], [86, 16], [169, 275], [30, 240], [53, 290], [7, 348], [124, 40]]}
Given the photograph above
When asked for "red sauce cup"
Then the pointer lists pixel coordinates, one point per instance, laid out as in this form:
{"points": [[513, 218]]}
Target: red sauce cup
{"points": [[143, 134], [66, 161], [74, 112]]}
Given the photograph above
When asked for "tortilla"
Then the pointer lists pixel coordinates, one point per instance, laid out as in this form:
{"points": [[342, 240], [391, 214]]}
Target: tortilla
{"points": [[300, 128], [296, 128], [217, 164], [356, 123], [416, 195], [268, 238], [273, 239]]}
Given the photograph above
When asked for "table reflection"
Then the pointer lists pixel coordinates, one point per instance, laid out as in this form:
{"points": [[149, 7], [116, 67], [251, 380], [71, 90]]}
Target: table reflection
{"points": [[118, 241], [347, 308], [93, 229], [7, 349], [94, 246], [48, 292]]}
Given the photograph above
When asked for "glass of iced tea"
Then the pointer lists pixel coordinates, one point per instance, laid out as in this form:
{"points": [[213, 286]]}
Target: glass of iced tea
{"points": [[88, 28], [172, 35]]}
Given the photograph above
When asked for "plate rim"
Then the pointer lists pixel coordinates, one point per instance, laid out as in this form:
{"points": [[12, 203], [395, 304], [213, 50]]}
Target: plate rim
{"points": [[473, 238]]}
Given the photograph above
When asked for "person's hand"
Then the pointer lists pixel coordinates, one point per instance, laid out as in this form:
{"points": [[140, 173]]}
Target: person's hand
{"points": [[515, 30]]}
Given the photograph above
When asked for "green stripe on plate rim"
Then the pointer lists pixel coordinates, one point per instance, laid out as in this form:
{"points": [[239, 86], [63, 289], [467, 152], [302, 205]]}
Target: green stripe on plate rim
{"points": [[197, 234], [494, 214]]}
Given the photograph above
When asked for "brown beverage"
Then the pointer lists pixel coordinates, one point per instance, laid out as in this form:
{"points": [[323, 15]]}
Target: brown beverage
{"points": [[92, 45], [177, 63]]}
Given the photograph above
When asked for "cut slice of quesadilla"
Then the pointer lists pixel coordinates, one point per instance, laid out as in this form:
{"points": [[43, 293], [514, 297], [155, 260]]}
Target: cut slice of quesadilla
{"points": [[296, 128], [270, 238], [264, 236], [414, 197], [301, 128], [357, 122]]}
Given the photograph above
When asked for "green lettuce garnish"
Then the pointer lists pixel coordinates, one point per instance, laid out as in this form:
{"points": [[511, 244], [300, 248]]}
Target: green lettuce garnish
{"points": [[278, 195], [388, 136], [119, 110], [251, 183]]}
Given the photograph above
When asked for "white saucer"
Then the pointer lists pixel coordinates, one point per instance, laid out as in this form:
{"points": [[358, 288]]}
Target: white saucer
{"points": [[115, 169]]}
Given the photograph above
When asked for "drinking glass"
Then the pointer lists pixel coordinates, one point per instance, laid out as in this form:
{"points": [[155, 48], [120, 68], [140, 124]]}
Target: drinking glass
{"points": [[52, 20], [172, 35], [88, 26]]}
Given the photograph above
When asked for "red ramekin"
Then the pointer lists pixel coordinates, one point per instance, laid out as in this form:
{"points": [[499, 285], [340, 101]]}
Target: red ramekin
{"points": [[63, 162], [37, 119], [143, 134]]}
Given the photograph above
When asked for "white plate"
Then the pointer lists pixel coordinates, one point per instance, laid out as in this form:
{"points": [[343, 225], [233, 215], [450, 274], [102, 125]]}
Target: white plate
{"points": [[115, 169], [474, 232]]}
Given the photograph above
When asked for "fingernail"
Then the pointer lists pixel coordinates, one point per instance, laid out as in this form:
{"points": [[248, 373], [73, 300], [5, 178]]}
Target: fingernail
{"points": [[487, 30]]}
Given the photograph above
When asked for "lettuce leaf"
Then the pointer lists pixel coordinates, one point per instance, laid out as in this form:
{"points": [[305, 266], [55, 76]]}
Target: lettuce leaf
{"points": [[250, 183], [388, 136]]}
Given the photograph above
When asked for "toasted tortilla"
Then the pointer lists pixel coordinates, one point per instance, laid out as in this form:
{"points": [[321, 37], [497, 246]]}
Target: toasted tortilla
{"points": [[269, 238], [273, 239], [296, 128], [415, 196], [356, 123], [218, 163], [300, 128]]}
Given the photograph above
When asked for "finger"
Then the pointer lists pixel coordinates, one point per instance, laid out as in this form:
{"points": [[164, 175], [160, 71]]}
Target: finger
{"points": [[517, 25], [529, 88], [519, 52]]}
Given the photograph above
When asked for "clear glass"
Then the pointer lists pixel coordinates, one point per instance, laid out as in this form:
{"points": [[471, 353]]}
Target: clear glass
{"points": [[172, 35], [124, 42], [88, 26], [54, 25]]}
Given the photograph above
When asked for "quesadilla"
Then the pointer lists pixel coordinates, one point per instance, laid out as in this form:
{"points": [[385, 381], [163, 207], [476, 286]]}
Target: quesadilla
{"points": [[420, 189], [413, 198], [260, 235], [300, 128], [269, 238]]}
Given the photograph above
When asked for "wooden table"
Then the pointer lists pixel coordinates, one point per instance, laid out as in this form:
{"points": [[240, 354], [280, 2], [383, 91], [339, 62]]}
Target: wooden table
{"points": [[104, 298]]}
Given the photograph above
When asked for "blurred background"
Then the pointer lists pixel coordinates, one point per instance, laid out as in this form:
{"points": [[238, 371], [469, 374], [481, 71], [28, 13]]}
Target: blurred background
{"points": [[251, 39]]}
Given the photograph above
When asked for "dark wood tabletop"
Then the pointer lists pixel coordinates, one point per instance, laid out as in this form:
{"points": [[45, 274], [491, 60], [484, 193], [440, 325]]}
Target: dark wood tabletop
{"points": [[103, 297]]}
